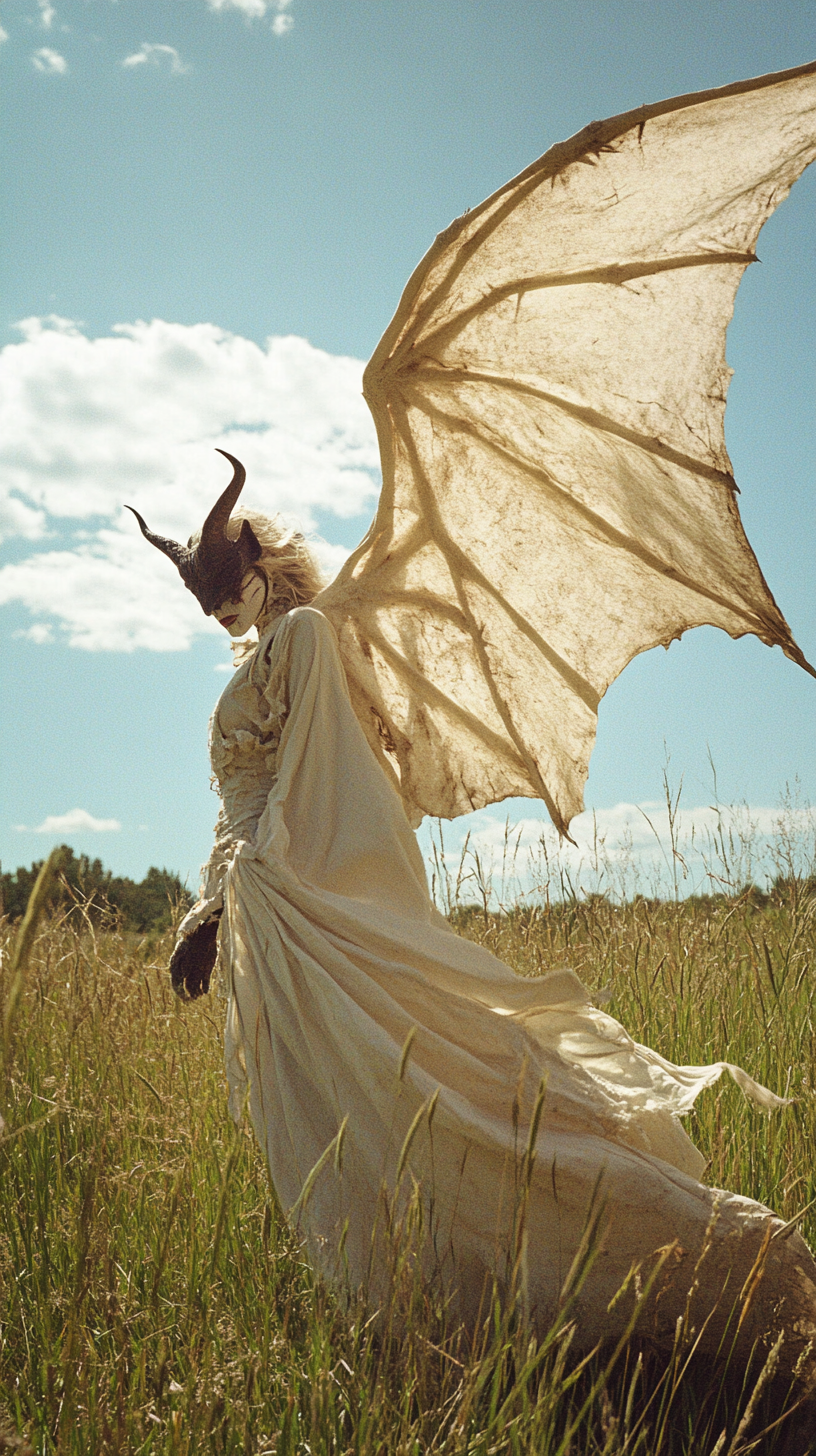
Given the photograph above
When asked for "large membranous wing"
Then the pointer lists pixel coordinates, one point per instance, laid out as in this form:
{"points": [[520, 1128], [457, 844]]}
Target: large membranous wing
{"points": [[557, 495]]}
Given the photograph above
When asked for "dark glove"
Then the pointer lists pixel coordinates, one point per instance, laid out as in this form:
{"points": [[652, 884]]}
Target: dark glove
{"points": [[192, 961]]}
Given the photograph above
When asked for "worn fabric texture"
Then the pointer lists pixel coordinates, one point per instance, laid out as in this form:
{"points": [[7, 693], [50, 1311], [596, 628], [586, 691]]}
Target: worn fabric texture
{"points": [[353, 1006], [557, 494]]}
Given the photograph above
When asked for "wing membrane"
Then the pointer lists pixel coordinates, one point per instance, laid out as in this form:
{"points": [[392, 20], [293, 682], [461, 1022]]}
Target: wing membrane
{"points": [[557, 494]]}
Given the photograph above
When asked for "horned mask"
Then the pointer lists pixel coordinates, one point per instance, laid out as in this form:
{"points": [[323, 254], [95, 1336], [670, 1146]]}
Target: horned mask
{"points": [[213, 570]]}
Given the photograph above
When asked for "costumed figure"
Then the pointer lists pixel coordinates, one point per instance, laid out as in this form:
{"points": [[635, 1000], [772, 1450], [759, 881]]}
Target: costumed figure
{"points": [[556, 498]]}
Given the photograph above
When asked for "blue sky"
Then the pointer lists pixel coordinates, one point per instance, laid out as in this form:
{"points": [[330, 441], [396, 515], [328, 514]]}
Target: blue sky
{"points": [[211, 211]]}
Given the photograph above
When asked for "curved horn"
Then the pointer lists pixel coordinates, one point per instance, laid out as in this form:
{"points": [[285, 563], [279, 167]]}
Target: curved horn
{"points": [[178, 554], [214, 530]]}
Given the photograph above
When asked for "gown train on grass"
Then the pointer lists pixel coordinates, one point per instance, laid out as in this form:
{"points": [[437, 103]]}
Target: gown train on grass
{"points": [[358, 1022]]}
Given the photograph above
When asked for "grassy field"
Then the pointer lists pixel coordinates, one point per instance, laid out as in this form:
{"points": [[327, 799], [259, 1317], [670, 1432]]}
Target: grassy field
{"points": [[152, 1300]]}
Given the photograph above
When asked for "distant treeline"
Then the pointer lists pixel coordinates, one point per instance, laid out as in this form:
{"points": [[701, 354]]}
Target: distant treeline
{"points": [[148, 905]]}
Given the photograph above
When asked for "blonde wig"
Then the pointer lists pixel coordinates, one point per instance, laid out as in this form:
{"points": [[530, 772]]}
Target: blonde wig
{"points": [[291, 572]]}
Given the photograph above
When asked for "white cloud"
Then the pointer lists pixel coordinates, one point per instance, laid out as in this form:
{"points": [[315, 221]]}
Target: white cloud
{"points": [[88, 425], [76, 821], [258, 9], [158, 55], [51, 63], [18, 519], [330, 558], [252, 9], [628, 849], [112, 595], [3, 35], [47, 14], [39, 632]]}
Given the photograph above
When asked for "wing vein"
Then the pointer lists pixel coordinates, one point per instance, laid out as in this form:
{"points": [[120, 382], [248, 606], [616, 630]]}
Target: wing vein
{"points": [[614, 274], [455, 558], [432, 692], [585, 413], [604, 527]]}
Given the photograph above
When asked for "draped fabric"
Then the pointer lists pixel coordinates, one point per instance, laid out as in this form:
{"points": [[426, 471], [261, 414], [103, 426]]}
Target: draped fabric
{"points": [[557, 494], [354, 1010]]}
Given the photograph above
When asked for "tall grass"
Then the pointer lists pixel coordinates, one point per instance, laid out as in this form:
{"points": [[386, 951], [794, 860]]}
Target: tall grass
{"points": [[153, 1300]]}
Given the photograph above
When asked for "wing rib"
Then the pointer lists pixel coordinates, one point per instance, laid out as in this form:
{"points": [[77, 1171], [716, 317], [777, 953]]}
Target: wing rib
{"points": [[587, 416], [429, 692], [455, 558], [762, 627], [615, 274]]}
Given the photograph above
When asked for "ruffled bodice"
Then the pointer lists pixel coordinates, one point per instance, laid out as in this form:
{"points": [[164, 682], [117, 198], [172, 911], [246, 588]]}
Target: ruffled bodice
{"points": [[245, 732]]}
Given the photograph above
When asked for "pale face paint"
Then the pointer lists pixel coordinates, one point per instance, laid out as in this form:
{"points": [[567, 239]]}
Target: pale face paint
{"points": [[239, 616]]}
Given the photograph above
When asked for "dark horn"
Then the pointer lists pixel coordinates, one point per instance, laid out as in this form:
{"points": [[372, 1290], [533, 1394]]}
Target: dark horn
{"points": [[178, 554], [214, 530]]}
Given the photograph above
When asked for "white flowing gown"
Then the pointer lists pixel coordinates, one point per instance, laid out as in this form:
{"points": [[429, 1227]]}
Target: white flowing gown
{"points": [[336, 959]]}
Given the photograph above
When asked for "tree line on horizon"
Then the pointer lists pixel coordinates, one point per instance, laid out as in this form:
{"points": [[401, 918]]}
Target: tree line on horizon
{"points": [[147, 905]]}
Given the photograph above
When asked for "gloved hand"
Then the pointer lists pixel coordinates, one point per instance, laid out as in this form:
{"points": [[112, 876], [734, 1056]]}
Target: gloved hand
{"points": [[192, 961]]}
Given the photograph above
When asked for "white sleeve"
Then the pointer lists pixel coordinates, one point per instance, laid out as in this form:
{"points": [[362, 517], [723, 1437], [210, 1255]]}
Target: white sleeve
{"points": [[210, 896]]}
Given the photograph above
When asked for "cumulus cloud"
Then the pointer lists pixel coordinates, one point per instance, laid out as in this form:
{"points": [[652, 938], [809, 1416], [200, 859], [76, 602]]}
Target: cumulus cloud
{"points": [[38, 632], [76, 821], [51, 63], [282, 20], [158, 55], [108, 595], [88, 425], [47, 14], [329, 557], [252, 9]]}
